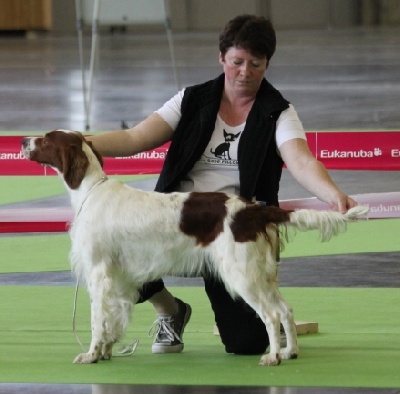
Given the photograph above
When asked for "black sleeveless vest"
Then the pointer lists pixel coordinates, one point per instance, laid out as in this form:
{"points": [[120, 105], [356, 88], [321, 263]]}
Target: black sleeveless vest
{"points": [[260, 166]]}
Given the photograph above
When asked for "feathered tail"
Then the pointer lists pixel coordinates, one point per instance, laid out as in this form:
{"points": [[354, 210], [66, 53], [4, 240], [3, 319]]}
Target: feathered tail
{"points": [[328, 223]]}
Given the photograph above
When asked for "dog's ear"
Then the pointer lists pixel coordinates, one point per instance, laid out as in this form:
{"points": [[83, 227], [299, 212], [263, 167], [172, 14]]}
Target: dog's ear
{"points": [[96, 153], [74, 166]]}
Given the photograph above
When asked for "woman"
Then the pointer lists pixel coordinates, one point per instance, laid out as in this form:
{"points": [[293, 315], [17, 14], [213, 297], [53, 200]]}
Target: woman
{"points": [[231, 134]]}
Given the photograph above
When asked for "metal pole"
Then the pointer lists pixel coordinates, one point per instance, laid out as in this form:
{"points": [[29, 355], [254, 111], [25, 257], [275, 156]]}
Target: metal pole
{"points": [[167, 22], [87, 87], [79, 28], [93, 58]]}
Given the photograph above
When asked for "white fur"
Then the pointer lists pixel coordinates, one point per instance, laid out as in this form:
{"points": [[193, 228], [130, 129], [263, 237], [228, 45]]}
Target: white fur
{"points": [[123, 238]]}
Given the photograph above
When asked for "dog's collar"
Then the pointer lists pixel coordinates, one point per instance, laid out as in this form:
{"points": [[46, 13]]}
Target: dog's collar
{"points": [[99, 182]]}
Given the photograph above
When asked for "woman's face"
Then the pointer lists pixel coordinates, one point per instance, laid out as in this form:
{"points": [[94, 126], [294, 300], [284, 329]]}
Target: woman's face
{"points": [[243, 71]]}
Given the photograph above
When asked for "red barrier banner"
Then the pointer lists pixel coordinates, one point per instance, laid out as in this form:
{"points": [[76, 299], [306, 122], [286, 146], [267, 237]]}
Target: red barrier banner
{"points": [[12, 161], [351, 150], [381, 205], [357, 150]]}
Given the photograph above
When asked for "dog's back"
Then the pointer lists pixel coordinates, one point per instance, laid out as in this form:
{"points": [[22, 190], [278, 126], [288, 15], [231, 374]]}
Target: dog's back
{"points": [[154, 234]]}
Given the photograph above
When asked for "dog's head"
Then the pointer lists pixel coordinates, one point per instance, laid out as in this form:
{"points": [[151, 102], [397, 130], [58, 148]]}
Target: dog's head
{"points": [[64, 151]]}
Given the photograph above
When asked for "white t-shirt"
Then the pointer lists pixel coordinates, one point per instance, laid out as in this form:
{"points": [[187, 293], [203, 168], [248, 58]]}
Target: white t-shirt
{"points": [[217, 169]]}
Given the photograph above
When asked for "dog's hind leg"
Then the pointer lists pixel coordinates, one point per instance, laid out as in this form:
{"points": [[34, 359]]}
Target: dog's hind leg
{"points": [[246, 280], [271, 254], [291, 350], [259, 297], [253, 278]]}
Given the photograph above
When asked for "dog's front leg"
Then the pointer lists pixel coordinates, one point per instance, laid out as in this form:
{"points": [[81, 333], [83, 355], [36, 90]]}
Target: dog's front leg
{"points": [[106, 352], [96, 291], [96, 345], [95, 350]]}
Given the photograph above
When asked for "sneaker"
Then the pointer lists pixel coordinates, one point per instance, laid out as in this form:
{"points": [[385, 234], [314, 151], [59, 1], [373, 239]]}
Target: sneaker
{"points": [[168, 330]]}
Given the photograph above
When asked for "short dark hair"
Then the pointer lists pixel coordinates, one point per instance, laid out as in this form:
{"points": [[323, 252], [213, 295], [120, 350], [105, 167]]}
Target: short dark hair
{"points": [[250, 32]]}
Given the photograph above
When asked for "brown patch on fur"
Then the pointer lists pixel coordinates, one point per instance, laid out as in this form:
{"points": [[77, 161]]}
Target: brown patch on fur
{"points": [[252, 221], [75, 164], [68, 147], [96, 153], [203, 216]]}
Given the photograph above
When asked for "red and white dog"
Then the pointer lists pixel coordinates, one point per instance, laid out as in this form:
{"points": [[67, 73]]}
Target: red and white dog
{"points": [[123, 238]]}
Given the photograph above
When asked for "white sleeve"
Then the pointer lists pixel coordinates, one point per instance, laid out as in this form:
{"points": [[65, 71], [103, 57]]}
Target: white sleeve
{"points": [[171, 110], [288, 126]]}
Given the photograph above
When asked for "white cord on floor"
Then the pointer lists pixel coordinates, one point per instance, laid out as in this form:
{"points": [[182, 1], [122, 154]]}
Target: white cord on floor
{"points": [[128, 350], [74, 315]]}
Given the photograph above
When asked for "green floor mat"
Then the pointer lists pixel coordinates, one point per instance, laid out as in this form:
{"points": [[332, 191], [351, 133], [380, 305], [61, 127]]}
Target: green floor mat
{"points": [[34, 253], [358, 344]]}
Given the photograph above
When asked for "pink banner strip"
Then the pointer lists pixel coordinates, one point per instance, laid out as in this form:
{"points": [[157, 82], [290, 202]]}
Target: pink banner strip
{"points": [[381, 205], [351, 150]]}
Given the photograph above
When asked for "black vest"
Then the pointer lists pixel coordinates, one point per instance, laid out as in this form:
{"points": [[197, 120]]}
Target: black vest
{"points": [[260, 166]]}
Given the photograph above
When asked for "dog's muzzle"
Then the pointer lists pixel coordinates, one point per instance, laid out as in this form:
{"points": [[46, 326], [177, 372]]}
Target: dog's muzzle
{"points": [[27, 148]]}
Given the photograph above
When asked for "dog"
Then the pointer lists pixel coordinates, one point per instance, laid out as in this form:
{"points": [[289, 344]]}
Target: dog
{"points": [[123, 237]]}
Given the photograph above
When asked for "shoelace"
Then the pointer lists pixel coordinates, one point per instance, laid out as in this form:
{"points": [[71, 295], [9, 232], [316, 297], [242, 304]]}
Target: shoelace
{"points": [[163, 326]]}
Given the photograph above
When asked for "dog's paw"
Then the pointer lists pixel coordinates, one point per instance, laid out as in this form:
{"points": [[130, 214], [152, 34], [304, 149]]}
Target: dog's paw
{"points": [[289, 354], [106, 351], [85, 358], [270, 359]]}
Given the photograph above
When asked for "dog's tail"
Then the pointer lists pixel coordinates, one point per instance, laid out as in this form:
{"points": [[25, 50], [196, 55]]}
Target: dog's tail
{"points": [[328, 223]]}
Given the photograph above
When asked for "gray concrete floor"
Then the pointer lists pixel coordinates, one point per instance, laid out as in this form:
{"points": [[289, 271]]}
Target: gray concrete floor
{"points": [[337, 79]]}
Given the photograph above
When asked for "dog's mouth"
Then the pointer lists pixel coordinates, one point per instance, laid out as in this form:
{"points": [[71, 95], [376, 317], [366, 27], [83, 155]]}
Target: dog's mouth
{"points": [[42, 163], [26, 152], [29, 154]]}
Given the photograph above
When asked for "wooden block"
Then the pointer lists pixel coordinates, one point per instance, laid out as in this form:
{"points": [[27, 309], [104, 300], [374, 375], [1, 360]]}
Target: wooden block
{"points": [[306, 327]]}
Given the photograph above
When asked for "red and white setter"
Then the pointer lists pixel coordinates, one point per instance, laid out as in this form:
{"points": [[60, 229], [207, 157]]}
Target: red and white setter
{"points": [[124, 237]]}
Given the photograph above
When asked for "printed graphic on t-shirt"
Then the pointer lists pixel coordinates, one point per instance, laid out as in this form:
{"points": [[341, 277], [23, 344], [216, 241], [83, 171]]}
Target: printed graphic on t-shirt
{"points": [[222, 148], [217, 169]]}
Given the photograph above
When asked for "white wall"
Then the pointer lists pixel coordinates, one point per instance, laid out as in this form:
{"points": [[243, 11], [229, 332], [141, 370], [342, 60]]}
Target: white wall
{"points": [[125, 12]]}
